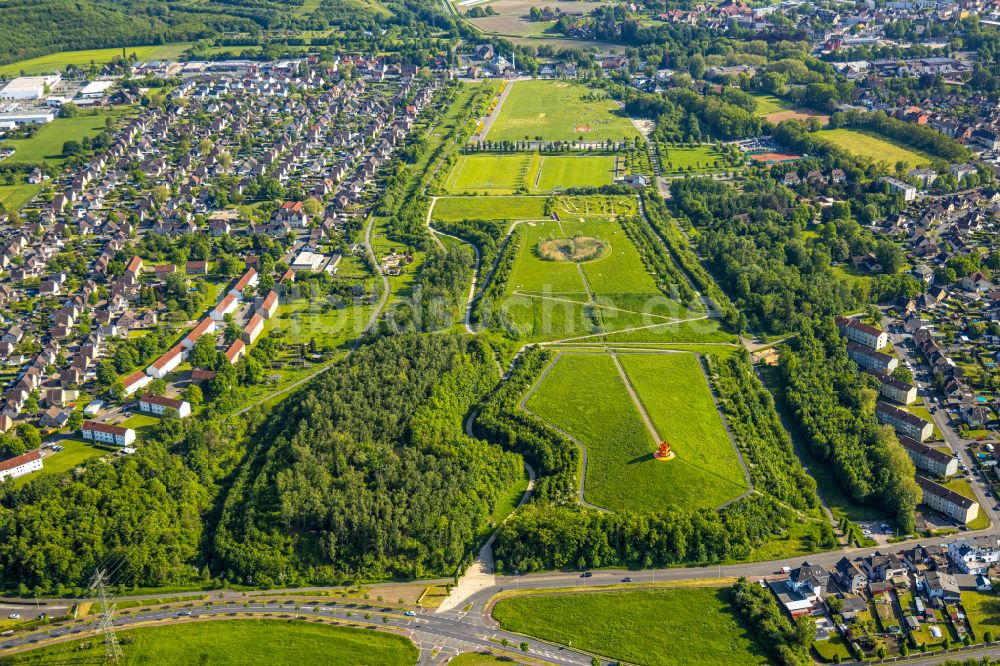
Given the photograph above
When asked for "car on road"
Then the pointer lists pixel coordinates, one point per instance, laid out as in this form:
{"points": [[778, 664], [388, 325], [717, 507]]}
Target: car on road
{"points": [[586, 574], [410, 614], [183, 613], [866, 532], [14, 616], [627, 579]]}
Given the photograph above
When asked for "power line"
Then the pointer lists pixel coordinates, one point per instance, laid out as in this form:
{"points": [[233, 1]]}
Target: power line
{"points": [[112, 650]]}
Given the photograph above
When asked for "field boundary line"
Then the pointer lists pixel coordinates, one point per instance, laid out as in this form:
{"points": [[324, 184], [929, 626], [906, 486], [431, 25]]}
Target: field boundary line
{"points": [[593, 303], [635, 399]]}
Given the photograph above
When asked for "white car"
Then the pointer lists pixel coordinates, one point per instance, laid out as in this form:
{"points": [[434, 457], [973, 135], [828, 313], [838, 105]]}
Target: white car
{"points": [[866, 532], [14, 616]]}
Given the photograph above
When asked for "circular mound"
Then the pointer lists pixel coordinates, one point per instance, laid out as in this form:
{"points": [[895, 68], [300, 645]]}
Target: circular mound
{"points": [[582, 128], [577, 249]]}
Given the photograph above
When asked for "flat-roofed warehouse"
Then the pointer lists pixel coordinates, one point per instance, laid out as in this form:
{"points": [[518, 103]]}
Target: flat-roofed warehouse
{"points": [[29, 87]]}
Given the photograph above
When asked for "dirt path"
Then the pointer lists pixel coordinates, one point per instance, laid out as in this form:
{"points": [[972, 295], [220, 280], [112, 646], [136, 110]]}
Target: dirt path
{"points": [[635, 399], [489, 120]]}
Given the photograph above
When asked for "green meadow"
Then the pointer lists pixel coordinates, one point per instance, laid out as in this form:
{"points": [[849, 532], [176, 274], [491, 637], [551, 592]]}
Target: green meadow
{"points": [[682, 626], [557, 111]]}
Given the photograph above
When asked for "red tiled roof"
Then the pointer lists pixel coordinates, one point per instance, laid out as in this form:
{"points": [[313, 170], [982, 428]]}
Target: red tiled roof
{"points": [[134, 378], [161, 362], [97, 426], [11, 463], [161, 400]]}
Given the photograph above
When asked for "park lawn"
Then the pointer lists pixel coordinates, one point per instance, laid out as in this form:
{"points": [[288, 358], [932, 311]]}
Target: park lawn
{"points": [[699, 159], [502, 174], [453, 209], [683, 626], [983, 611], [556, 111], [697, 329], [141, 423], [561, 171], [549, 299], [57, 62], [74, 453], [241, 643], [621, 472], [768, 104], [595, 205], [677, 398], [874, 146]]}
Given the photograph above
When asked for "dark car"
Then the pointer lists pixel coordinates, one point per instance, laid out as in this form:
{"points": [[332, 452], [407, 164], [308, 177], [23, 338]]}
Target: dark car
{"points": [[586, 574], [627, 579]]}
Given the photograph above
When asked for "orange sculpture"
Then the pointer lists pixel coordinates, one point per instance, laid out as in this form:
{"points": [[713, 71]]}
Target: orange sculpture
{"points": [[663, 452]]}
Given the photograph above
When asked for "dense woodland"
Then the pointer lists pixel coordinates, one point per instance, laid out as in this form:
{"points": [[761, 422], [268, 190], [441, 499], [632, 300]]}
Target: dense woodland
{"points": [[368, 473], [835, 409], [787, 640]]}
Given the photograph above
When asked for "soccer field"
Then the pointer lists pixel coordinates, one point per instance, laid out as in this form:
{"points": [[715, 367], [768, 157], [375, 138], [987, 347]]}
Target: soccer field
{"points": [[493, 174], [556, 111], [451, 209], [559, 172], [621, 471]]}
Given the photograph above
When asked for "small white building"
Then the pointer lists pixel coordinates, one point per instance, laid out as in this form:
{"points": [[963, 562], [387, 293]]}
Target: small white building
{"points": [[136, 381], [20, 465]]}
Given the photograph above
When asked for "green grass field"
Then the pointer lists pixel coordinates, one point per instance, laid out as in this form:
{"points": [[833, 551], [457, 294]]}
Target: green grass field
{"points": [[873, 146], [556, 111], [57, 62], [700, 159], [46, 146], [554, 300], [477, 659], [449, 209], [679, 402], [621, 471], [74, 453], [240, 643], [489, 174], [677, 627], [768, 104], [983, 611], [559, 172]]}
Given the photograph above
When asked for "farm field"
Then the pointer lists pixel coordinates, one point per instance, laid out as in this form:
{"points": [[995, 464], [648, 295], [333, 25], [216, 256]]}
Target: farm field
{"points": [[451, 209], [677, 397], [57, 62], [556, 111], [560, 172], [873, 146], [682, 626], [487, 174], [512, 16], [621, 471], [243, 643]]}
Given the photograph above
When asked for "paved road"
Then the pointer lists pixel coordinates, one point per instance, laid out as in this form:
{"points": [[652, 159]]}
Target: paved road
{"points": [[426, 629]]}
